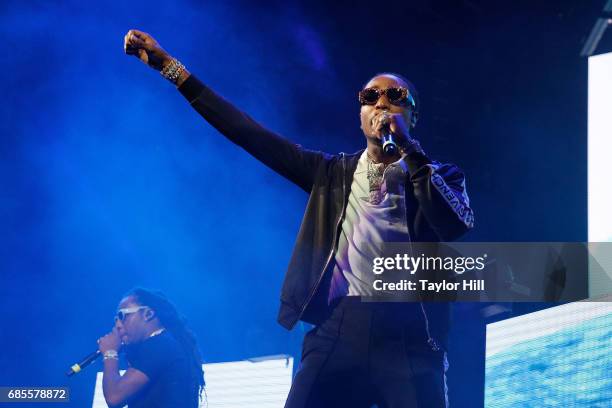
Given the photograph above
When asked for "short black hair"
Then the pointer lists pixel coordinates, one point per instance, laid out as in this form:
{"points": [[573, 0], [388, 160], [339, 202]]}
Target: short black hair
{"points": [[411, 88]]}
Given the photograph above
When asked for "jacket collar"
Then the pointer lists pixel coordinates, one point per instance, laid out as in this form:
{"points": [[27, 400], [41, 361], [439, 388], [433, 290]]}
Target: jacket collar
{"points": [[350, 165]]}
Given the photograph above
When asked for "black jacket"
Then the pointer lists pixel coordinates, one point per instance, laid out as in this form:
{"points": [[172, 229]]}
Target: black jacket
{"points": [[435, 197]]}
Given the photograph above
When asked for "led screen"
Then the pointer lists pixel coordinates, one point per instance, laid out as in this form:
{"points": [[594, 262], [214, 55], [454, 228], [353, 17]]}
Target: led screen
{"points": [[599, 160], [558, 357]]}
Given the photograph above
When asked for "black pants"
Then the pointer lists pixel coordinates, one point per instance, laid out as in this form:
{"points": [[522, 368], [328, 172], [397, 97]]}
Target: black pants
{"points": [[370, 353]]}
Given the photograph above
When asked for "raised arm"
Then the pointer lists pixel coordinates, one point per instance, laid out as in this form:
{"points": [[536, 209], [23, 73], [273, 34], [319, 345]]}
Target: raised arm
{"points": [[292, 161]]}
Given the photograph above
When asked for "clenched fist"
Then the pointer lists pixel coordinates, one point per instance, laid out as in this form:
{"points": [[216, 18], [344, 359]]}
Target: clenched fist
{"points": [[145, 47], [111, 341]]}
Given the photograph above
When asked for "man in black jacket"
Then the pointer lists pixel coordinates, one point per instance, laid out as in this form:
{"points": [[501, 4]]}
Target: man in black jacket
{"points": [[359, 353]]}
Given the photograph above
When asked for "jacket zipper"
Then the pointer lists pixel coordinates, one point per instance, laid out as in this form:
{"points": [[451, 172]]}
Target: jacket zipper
{"points": [[430, 340], [331, 254]]}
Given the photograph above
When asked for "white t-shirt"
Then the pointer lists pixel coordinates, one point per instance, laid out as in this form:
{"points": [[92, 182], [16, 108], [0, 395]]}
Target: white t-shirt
{"points": [[367, 226]]}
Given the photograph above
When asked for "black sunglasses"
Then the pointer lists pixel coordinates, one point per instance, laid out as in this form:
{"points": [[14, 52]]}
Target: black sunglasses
{"points": [[398, 96]]}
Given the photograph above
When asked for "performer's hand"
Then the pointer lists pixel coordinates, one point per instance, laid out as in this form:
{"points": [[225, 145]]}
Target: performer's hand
{"points": [[393, 122], [112, 341], [144, 46]]}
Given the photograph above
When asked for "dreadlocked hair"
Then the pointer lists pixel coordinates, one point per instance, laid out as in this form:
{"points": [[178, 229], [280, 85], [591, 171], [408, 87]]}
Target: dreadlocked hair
{"points": [[176, 325]]}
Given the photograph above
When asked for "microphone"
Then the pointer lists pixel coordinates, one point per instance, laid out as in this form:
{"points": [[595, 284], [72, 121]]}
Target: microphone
{"points": [[87, 360], [389, 145]]}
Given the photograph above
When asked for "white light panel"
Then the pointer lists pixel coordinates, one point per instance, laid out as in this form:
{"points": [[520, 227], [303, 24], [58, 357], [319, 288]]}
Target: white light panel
{"points": [[261, 383]]}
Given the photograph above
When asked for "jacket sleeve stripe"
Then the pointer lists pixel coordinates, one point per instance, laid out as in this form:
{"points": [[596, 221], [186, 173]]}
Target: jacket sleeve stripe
{"points": [[460, 205]]}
